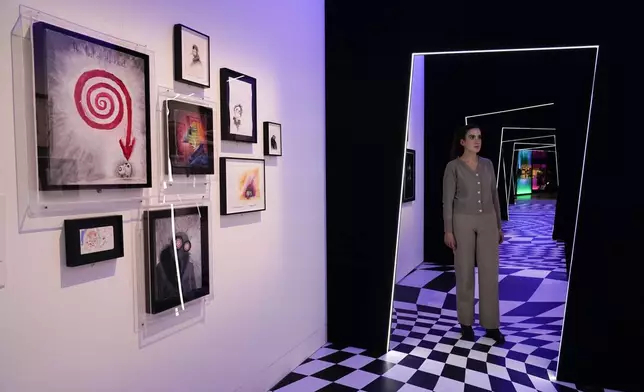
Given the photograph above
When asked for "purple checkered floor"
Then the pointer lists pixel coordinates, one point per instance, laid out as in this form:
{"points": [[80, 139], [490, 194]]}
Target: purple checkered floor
{"points": [[426, 352]]}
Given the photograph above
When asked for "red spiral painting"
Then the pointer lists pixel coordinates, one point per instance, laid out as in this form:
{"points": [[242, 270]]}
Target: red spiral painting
{"points": [[100, 104]]}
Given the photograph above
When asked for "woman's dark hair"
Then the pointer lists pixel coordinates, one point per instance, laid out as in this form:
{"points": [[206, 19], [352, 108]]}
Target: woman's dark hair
{"points": [[457, 149]]}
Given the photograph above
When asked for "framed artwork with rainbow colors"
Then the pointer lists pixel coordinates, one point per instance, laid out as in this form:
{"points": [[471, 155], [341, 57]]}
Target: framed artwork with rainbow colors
{"points": [[92, 112]]}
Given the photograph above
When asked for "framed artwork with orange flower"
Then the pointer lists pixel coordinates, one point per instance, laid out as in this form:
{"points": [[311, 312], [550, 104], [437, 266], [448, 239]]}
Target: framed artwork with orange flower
{"points": [[242, 185]]}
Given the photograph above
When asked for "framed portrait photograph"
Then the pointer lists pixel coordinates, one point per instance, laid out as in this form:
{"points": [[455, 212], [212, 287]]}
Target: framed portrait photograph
{"points": [[272, 139], [191, 56], [90, 240], [242, 185], [238, 106], [92, 112], [409, 181], [190, 138], [177, 259]]}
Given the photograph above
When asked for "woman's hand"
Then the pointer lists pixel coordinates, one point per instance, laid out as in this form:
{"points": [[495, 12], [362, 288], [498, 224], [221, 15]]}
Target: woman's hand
{"points": [[450, 241], [500, 237]]}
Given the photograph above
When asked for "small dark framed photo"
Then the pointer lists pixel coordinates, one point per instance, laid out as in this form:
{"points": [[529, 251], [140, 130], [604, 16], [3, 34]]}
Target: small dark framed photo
{"points": [[238, 106], [272, 139], [409, 181], [91, 240], [190, 138], [176, 258], [191, 56], [242, 185]]}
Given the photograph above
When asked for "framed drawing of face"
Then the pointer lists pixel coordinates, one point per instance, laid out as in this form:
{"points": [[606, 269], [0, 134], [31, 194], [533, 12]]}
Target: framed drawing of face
{"points": [[238, 106], [409, 182], [242, 185], [92, 112], [190, 138], [91, 240], [272, 139], [177, 261], [191, 56]]}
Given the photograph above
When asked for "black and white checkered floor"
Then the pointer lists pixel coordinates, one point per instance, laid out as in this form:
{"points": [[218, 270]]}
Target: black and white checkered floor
{"points": [[426, 352]]}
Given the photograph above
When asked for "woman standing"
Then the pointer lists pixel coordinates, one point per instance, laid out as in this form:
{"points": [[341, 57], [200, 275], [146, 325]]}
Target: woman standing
{"points": [[472, 221]]}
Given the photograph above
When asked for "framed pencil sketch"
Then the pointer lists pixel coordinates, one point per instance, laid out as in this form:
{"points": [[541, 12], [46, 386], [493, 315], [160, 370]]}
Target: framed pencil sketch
{"points": [[238, 106], [409, 181], [242, 185], [191, 56], [190, 138], [177, 259], [91, 240], [272, 139], [92, 112]]}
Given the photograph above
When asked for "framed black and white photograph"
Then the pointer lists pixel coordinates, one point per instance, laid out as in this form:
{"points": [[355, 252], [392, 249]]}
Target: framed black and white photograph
{"points": [[238, 106], [90, 240], [191, 56], [190, 138], [92, 112], [409, 181], [242, 185], [176, 258], [272, 139]]}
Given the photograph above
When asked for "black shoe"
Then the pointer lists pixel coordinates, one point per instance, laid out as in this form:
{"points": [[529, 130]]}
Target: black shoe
{"points": [[468, 332], [495, 335]]}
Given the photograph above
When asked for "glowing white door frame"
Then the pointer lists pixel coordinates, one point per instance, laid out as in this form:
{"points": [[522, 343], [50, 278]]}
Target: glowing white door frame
{"points": [[540, 146], [404, 150], [501, 141]]}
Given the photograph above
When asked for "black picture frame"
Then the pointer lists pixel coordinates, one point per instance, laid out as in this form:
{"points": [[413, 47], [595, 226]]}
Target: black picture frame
{"points": [[155, 275], [225, 75], [77, 230], [409, 180], [206, 115], [178, 55], [43, 106], [224, 173], [269, 147]]}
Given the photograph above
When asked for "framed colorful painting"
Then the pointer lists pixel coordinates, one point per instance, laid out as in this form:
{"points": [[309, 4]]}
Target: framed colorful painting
{"points": [[177, 258], [91, 240], [191, 56], [92, 112], [190, 138], [409, 181], [242, 185], [238, 106], [272, 139]]}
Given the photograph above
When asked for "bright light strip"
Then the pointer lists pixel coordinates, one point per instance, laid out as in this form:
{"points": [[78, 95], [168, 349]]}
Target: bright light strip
{"points": [[402, 182], [583, 166], [581, 183], [506, 50], [527, 138], [509, 110]]}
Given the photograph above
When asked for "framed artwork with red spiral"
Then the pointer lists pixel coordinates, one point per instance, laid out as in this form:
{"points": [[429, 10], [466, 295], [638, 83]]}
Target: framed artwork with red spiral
{"points": [[92, 112]]}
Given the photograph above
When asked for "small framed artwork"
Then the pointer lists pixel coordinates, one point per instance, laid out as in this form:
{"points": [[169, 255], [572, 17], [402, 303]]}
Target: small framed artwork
{"points": [[177, 259], [190, 138], [242, 185], [92, 112], [91, 240], [238, 106], [272, 139], [191, 56], [409, 181]]}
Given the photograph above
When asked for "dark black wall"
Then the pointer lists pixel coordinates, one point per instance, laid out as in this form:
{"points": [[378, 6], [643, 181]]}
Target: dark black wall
{"points": [[368, 60], [468, 84]]}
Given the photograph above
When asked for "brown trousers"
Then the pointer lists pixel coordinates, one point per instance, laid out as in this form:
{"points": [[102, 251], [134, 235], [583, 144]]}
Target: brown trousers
{"points": [[477, 236]]}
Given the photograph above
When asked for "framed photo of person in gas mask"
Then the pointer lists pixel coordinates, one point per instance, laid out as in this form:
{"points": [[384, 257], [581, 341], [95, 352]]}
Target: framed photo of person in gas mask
{"points": [[177, 258]]}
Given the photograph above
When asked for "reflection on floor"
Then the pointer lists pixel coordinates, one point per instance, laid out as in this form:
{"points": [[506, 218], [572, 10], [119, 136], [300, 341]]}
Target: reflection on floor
{"points": [[426, 353]]}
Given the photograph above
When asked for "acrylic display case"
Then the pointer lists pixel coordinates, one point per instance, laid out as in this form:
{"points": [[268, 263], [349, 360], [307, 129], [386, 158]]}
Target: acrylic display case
{"points": [[82, 118]]}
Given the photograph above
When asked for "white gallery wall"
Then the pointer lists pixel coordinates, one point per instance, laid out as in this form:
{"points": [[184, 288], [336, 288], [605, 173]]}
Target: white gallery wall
{"points": [[73, 330], [410, 242]]}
